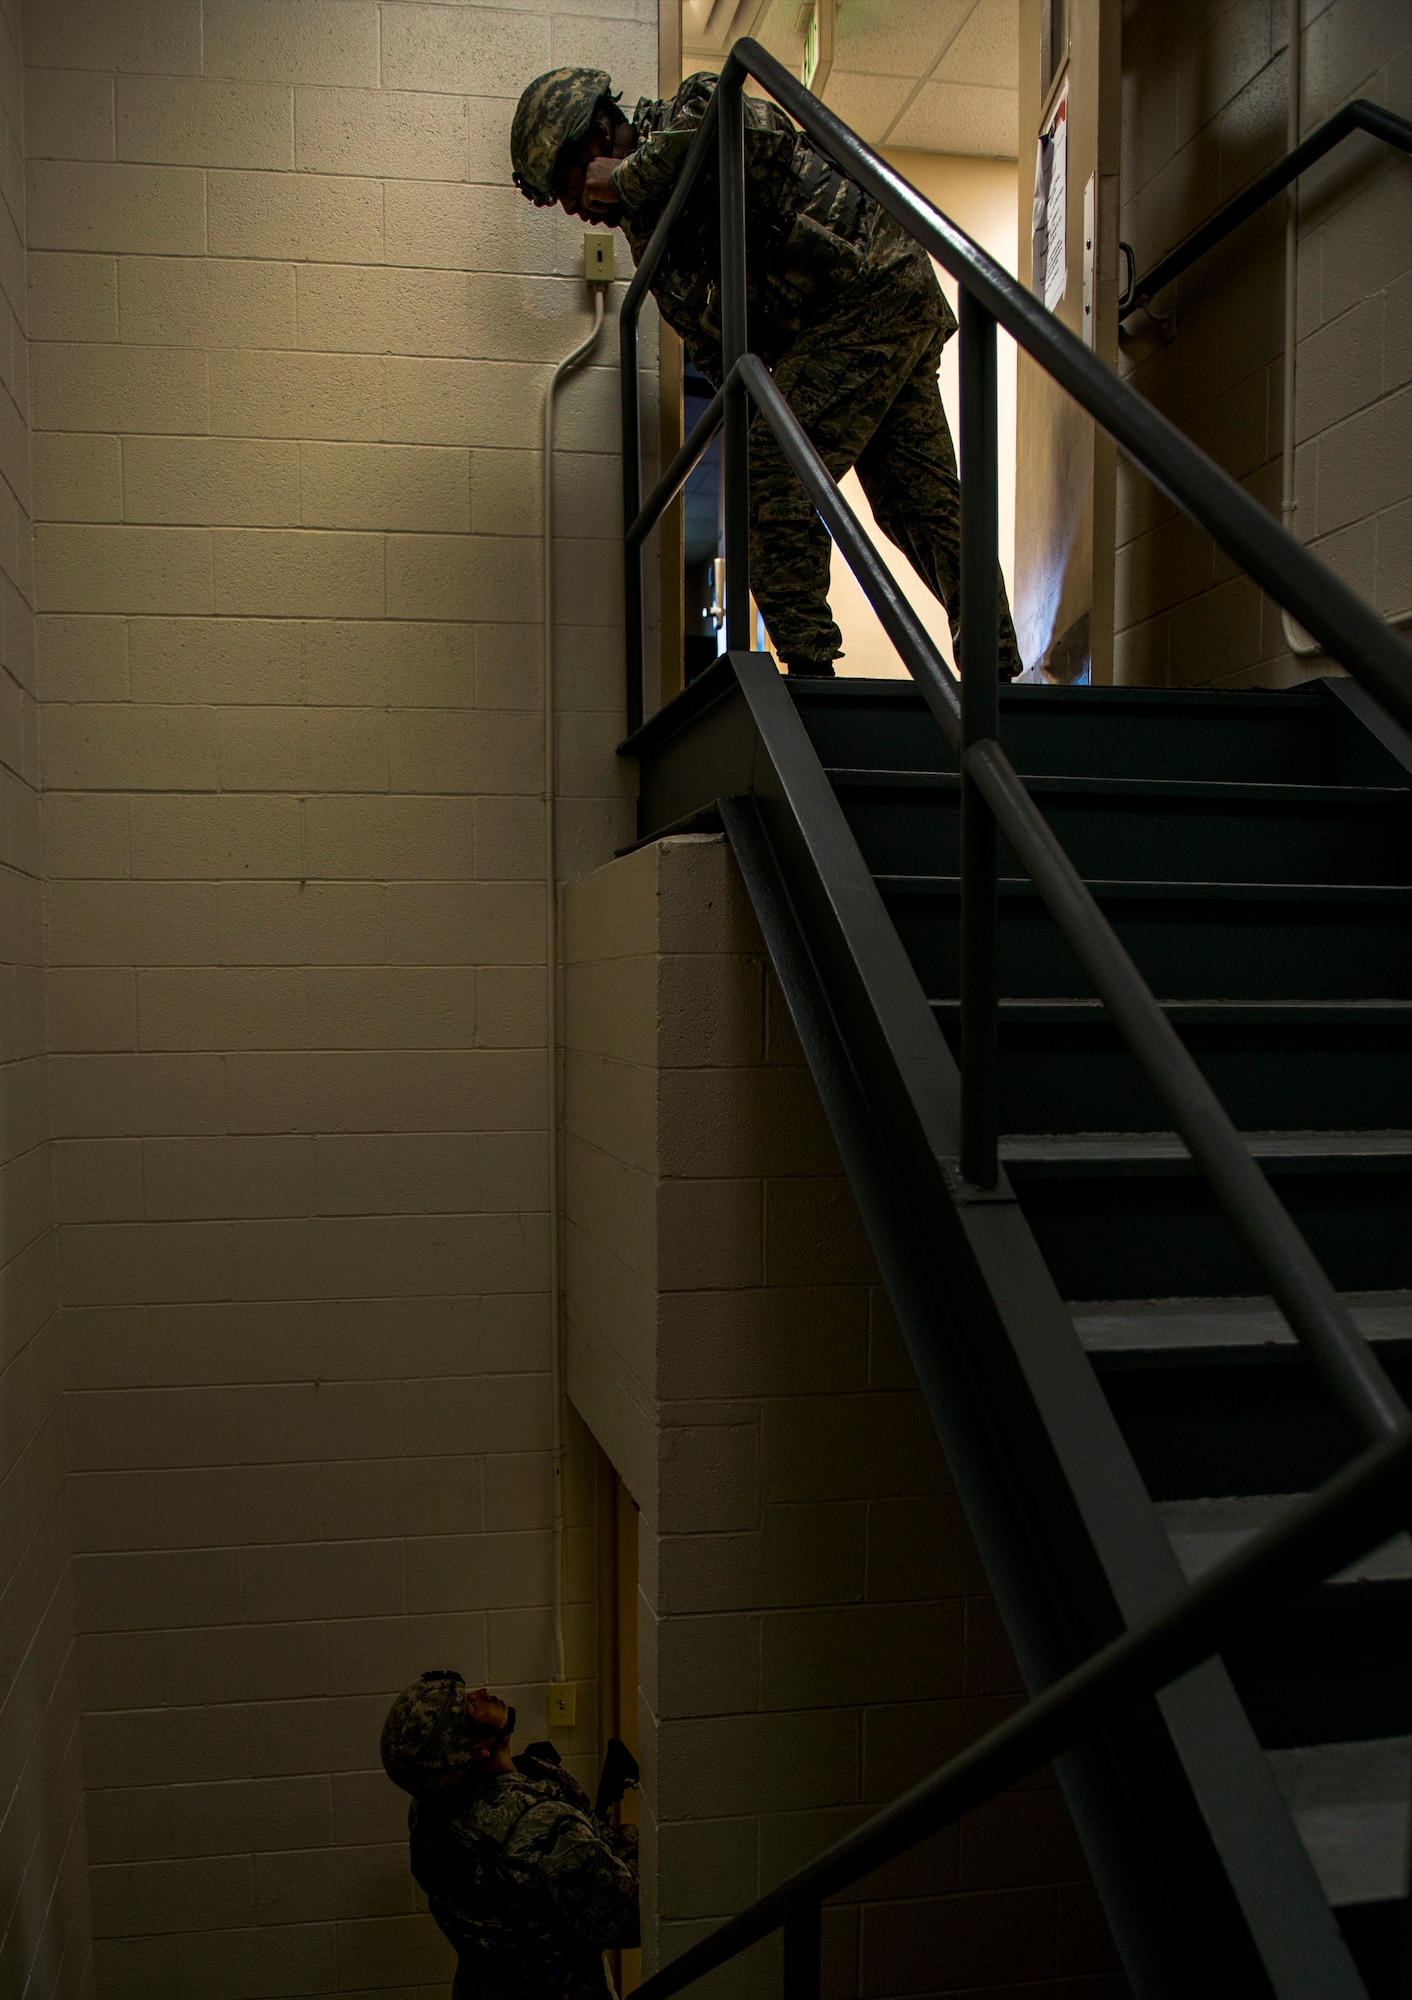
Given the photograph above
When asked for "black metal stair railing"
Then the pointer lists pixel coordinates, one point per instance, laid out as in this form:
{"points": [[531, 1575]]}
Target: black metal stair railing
{"points": [[1357, 116], [1351, 632], [1315, 1539], [1374, 1492]]}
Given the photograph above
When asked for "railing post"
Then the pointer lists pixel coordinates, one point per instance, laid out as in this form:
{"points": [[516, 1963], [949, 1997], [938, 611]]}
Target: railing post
{"points": [[803, 1951], [632, 501], [735, 448], [980, 719]]}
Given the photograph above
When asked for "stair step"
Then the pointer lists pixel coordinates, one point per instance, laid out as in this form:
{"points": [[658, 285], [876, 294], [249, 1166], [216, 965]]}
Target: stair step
{"points": [[1205, 1532], [1079, 1012], [1243, 941], [1174, 1328], [1331, 1666], [1073, 785], [1390, 896], [1350, 1804], [1326, 1065], [1253, 856], [1149, 828], [1131, 1215], [1286, 737], [1070, 1155], [1221, 1401], [946, 785], [1334, 1663], [1215, 1396]]}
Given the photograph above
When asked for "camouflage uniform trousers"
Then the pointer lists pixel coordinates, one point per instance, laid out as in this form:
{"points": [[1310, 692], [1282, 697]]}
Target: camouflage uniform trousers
{"points": [[864, 385]]}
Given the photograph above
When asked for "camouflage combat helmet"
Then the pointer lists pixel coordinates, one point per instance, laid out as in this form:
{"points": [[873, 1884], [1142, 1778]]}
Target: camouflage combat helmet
{"points": [[428, 1741], [552, 112]]}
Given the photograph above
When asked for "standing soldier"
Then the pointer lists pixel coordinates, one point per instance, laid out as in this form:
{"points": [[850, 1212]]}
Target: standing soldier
{"points": [[528, 1883], [844, 307]]}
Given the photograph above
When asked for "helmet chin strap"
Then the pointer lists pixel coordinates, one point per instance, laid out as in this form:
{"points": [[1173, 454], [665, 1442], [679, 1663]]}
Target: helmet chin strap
{"points": [[533, 194]]}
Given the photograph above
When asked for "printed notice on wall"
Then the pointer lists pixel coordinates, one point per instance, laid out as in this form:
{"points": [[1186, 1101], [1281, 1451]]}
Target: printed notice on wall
{"points": [[1049, 248]]}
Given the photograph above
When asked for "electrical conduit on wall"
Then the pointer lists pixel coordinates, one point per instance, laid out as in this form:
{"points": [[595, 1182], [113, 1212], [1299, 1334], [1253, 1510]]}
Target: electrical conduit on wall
{"points": [[1295, 637], [551, 956]]}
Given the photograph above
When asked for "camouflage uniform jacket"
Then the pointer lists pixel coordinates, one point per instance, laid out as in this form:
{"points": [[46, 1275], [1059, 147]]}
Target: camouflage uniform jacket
{"points": [[528, 1886], [812, 236]]}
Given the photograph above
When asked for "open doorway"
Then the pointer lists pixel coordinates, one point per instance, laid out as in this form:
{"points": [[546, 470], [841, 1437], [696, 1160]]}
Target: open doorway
{"points": [[979, 194], [937, 93], [617, 1653]]}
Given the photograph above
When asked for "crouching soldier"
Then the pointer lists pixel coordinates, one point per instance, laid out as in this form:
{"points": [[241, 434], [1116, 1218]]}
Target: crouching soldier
{"points": [[528, 1884]]}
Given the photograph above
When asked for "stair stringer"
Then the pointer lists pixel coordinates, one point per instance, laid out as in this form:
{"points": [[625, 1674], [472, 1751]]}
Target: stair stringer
{"points": [[1205, 1881]]}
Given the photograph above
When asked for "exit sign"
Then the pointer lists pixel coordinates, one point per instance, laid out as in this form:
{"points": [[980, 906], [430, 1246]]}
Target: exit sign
{"points": [[816, 23]]}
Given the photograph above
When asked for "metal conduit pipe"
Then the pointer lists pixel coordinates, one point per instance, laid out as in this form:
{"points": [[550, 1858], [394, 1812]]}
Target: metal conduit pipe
{"points": [[1295, 637], [552, 1010]]}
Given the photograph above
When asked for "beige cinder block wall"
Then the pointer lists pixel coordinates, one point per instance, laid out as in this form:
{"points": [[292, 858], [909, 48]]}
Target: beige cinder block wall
{"points": [[1204, 96], [815, 1630], [44, 1922], [291, 332]]}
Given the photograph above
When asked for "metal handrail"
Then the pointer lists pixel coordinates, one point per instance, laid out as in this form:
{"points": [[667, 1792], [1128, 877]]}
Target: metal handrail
{"points": [[994, 799], [1317, 1316], [1351, 632], [1316, 1538], [1315, 1313], [1360, 115], [677, 473]]}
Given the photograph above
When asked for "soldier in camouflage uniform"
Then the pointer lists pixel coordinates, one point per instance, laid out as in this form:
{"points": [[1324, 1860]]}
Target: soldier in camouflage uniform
{"points": [[843, 306], [530, 1888]]}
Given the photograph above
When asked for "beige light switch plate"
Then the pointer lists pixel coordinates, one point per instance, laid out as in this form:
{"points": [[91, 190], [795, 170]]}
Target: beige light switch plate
{"points": [[599, 246]]}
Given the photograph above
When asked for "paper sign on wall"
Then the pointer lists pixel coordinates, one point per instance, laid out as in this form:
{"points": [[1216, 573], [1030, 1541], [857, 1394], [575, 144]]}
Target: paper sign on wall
{"points": [[1049, 249]]}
